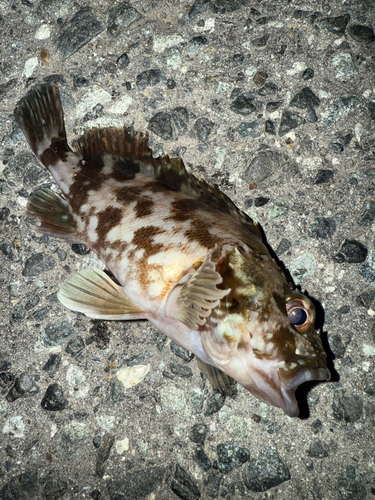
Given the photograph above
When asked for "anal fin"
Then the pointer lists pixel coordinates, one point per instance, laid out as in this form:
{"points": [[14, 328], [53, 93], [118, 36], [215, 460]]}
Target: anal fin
{"points": [[53, 213], [93, 293], [218, 379]]}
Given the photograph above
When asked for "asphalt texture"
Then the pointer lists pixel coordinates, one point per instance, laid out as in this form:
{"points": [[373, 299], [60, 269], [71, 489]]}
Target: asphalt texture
{"points": [[275, 103]]}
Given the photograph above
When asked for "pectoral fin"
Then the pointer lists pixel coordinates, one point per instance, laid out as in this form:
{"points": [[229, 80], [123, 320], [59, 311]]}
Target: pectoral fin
{"points": [[200, 295], [53, 213], [218, 379], [93, 293]]}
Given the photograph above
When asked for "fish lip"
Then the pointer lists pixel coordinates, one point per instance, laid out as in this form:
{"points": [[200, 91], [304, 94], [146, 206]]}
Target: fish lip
{"points": [[289, 386]]}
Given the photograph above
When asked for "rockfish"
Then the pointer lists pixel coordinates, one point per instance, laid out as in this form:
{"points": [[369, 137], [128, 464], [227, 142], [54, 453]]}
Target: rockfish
{"points": [[183, 255]]}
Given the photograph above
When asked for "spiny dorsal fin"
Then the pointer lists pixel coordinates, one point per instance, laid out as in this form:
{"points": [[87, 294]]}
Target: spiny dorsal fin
{"points": [[130, 149], [93, 293]]}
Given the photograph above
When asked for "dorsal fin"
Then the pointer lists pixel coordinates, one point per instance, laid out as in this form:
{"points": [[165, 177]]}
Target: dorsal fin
{"points": [[130, 149]]}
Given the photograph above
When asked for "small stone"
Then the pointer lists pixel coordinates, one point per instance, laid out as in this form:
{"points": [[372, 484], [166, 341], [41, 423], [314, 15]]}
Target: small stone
{"points": [[322, 228], [198, 8], [369, 385], [243, 104], [213, 484], [79, 248], [246, 129], [101, 334], [318, 449], [80, 81], [231, 456], [317, 426], [19, 312], [269, 88], [75, 346], [73, 437], [289, 121], [323, 177], [266, 471], [352, 251], [57, 333], [283, 246], [339, 108], [349, 488], [161, 125], [202, 129], [24, 386], [123, 61], [345, 65], [347, 407], [77, 32], [180, 117], [198, 433], [150, 78], [37, 264], [368, 216], [135, 485], [181, 370], [54, 487], [121, 17], [183, 486], [335, 25], [365, 299], [260, 78], [54, 399], [95, 495], [280, 207], [270, 127], [261, 201], [202, 459], [52, 365], [362, 34], [41, 314], [103, 454], [273, 106], [311, 116], [337, 345], [182, 353], [171, 84], [116, 393], [260, 42], [308, 74], [215, 402]]}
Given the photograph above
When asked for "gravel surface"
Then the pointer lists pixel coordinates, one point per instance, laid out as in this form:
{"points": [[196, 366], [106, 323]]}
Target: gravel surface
{"points": [[274, 102]]}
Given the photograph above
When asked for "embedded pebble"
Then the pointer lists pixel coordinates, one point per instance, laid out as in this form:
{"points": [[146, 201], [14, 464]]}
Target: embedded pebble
{"points": [[73, 437], [362, 34], [80, 249], [38, 264], [54, 399], [103, 454], [231, 456], [116, 393], [121, 17], [348, 407], [352, 251], [243, 104], [183, 486], [323, 228], [136, 484], [323, 176], [266, 471], [56, 333], [149, 78], [52, 364], [318, 449], [335, 25], [198, 433], [289, 121], [202, 459], [77, 32], [214, 403], [75, 346], [202, 129], [129, 376], [161, 125], [24, 386]]}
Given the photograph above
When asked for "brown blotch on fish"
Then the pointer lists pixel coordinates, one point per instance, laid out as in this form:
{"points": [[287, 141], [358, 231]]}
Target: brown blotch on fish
{"points": [[143, 239], [124, 169], [198, 232], [108, 219], [88, 178], [144, 207], [127, 195], [183, 210]]}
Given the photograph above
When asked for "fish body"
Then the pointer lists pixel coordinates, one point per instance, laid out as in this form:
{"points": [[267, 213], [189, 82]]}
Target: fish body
{"points": [[184, 257]]}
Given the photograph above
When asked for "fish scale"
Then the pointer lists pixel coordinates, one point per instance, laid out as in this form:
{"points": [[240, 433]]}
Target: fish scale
{"points": [[184, 256]]}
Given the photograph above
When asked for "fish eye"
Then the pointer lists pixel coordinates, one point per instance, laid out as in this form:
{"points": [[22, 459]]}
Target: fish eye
{"points": [[301, 312]]}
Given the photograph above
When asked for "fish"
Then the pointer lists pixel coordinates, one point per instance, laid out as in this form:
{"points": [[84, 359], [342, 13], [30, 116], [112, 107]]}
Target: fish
{"points": [[180, 254]]}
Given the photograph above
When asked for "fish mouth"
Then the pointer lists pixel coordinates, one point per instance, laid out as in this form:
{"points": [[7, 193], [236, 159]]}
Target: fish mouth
{"points": [[290, 384]]}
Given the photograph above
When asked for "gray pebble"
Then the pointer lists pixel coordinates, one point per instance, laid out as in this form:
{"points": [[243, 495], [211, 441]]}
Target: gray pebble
{"points": [[318, 449], [52, 364], [121, 17], [161, 125], [77, 32], [182, 353], [352, 251], [183, 486], [135, 485], [362, 34], [335, 25], [289, 121], [230, 457], [266, 471], [202, 459], [322, 228], [348, 407], [243, 104], [54, 399], [202, 129], [38, 264], [57, 333]]}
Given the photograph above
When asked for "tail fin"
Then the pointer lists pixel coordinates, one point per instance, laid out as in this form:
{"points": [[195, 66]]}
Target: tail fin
{"points": [[41, 119]]}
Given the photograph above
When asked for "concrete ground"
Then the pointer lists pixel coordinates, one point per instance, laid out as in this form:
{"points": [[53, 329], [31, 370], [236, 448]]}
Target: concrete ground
{"points": [[274, 102]]}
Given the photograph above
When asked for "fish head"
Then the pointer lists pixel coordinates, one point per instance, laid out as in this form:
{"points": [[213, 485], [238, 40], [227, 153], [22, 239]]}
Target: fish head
{"points": [[263, 334]]}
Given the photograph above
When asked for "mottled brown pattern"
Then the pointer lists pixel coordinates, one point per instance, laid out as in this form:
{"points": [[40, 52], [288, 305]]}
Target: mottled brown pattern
{"points": [[125, 169], [198, 232], [143, 239], [144, 207], [107, 219], [128, 194], [88, 178], [186, 209]]}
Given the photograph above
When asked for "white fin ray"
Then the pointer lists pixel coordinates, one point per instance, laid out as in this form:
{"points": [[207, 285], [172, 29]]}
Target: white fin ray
{"points": [[94, 294], [200, 295]]}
